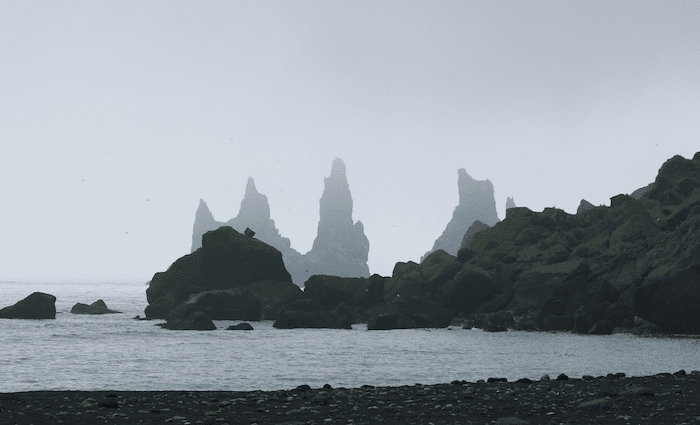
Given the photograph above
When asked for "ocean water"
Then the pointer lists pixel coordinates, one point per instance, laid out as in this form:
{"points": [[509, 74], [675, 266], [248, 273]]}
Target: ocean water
{"points": [[115, 352]]}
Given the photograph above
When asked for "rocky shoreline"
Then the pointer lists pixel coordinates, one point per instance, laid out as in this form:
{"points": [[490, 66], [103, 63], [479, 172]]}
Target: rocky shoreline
{"points": [[659, 399]]}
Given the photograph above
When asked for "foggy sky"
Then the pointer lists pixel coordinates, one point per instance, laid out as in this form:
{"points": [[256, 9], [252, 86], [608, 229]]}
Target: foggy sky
{"points": [[117, 117]]}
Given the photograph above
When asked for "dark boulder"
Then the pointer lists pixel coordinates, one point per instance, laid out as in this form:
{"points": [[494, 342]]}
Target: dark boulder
{"points": [[231, 259], [373, 293], [196, 321], [98, 307], [584, 320], [274, 296], [409, 312], [401, 269], [601, 327], [168, 289], [234, 304], [672, 302], [36, 306], [307, 313], [476, 227], [330, 291], [240, 327], [383, 322], [557, 323], [469, 289], [499, 321], [226, 260]]}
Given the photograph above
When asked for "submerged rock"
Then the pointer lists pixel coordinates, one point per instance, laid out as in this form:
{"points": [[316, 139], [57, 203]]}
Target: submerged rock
{"points": [[240, 327], [98, 307]]}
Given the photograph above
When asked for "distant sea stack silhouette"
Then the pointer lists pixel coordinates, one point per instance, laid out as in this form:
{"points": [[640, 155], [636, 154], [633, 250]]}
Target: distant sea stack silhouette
{"points": [[476, 202], [510, 203], [340, 248], [254, 214]]}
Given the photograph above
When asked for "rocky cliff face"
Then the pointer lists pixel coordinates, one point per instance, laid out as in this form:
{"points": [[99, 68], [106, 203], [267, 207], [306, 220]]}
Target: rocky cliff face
{"points": [[340, 248], [476, 202], [636, 257]]}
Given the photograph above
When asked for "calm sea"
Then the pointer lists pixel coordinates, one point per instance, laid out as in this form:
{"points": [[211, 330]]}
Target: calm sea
{"points": [[115, 352]]}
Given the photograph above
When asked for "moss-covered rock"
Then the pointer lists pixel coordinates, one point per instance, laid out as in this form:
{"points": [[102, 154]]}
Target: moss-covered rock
{"points": [[226, 260], [468, 290]]}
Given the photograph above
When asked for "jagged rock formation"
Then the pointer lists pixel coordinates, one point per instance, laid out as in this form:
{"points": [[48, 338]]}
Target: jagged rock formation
{"points": [[592, 272], [510, 203], [254, 214], [476, 202], [340, 248]]}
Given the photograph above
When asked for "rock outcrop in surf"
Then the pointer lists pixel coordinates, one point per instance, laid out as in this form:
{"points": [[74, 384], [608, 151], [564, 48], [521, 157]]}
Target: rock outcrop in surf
{"points": [[38, 305]]}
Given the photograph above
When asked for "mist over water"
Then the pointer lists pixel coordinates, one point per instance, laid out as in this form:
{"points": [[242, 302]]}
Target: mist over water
{"points": [[114, 352]]}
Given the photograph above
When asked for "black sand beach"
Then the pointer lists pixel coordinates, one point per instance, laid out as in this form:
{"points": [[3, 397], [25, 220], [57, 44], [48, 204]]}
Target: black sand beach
{"points": [[615, 399]]}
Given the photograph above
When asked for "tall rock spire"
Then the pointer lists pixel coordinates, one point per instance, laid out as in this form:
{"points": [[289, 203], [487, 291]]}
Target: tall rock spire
{"points": [[341, 247], [476, 202]]}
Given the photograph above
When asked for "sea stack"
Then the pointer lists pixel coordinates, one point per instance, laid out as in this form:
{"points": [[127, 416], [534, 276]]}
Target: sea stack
{"points": [[203, 222], [476, 202], [341, 247], [255, 214]]}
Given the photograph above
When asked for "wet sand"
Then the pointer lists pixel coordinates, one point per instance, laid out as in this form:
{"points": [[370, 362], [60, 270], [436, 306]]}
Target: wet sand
{"points": [[612, 399]]}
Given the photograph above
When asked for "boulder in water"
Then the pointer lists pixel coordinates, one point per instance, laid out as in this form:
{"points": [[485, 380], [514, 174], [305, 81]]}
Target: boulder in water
{"points": [[98, 307], [196, 321], [36, 306]]}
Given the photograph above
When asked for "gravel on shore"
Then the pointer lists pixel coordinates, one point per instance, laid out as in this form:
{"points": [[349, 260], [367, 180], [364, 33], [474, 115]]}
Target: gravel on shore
{"points": [[613, 399]]}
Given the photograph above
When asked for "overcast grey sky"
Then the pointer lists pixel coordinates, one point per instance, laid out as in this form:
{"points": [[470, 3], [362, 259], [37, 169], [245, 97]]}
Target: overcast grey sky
{"points": [[117, 117]]}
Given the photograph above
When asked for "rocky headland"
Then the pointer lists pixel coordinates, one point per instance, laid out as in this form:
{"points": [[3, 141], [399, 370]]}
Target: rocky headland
{"points": [[631, 267]]}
